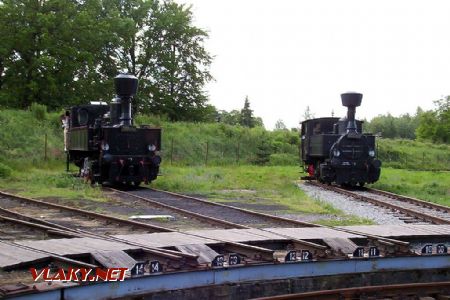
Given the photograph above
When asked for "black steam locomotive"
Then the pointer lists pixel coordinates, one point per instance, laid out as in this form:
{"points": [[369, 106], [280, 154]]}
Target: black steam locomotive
{"points": [[104, 144], [336, 151]]}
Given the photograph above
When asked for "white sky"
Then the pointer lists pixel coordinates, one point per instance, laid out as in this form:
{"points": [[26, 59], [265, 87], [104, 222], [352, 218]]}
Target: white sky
{"points": [[288, 54]]}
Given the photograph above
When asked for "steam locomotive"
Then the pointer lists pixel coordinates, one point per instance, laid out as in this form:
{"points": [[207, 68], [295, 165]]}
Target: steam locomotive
{"points": [[335, 150], [104, 144]]}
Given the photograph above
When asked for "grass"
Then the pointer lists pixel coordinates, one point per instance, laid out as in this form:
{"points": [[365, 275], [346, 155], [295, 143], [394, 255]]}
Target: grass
{"points": [[414, 155], [50, 181], [263, 185], [245, 185], [271, 185], [425, 185]]}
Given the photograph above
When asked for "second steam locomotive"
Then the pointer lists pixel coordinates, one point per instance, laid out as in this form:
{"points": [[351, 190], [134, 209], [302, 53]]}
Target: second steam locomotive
{"points": [[104, 144], [336, 151]]}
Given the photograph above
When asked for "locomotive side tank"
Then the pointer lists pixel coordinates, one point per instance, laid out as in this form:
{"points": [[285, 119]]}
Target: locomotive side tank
{"points": [[107, 147], [336, 150]]}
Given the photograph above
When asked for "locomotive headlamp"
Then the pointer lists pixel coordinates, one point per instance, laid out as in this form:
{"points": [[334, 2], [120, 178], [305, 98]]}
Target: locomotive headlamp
{"points": [[151, 147], [372, 153], [336, 152], [105, 147]]}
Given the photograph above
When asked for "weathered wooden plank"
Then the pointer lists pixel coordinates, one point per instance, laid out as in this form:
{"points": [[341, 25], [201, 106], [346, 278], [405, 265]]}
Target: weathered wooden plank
{"points": [[340, 244], [401, 230], [205, 254], [11, 255], [312, 233], [164, 239], [76, 245], [237, 235], [114, 259]]}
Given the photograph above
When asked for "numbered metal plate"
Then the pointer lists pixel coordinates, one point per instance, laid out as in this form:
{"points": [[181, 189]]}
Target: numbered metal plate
{"points": [[291, 256], [155, 267], [359, 252], [138, 269], [441, 249], [218, 261], [306, 255], [234, 259], [374, 252], [427, 249]]}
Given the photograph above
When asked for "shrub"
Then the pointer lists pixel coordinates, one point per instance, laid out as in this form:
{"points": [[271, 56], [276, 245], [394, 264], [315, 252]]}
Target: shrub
{"points": [[5, 171], [39, 111]]}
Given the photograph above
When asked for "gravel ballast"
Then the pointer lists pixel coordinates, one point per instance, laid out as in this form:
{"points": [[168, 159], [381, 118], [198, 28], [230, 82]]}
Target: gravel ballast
{"points": [[352, 207]]}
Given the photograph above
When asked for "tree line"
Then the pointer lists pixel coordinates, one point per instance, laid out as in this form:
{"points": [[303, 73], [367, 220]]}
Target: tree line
{"points": [[65, 52], [432, 125]]}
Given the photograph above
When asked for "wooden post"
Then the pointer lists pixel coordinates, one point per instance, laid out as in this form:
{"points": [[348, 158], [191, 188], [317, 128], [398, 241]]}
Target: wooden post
{"points": [[206, 155], [45, 147], [171, 152], [237, 152], [67, 161]]}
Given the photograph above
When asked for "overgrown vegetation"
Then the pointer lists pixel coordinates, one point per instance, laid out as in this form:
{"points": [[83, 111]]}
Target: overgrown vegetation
{"points": [[432, 125], [221, 144], [186, 143], [414, 155], [23, 136], [426, 185]]}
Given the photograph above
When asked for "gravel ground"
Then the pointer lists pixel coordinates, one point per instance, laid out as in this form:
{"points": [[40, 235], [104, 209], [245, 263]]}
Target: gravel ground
{"points": [[352, 207]]}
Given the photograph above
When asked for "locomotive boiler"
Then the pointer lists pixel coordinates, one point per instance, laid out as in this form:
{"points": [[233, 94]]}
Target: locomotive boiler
{"points": [[335, 150], [106, 146]]}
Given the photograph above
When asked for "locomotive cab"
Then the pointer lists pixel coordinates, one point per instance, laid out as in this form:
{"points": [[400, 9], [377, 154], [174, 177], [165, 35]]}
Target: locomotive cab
{"points": [[107, 147]]}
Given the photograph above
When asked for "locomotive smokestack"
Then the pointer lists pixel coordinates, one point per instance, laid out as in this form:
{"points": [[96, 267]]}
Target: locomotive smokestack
{"points": [[351, 100], [126, 87]]}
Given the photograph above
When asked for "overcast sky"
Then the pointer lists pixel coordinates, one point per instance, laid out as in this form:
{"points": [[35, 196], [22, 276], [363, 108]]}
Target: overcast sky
{"points": [[288, 54]]}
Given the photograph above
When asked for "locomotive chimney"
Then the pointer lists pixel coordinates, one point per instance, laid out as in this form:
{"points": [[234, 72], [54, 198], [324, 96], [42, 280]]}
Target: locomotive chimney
{"points": [[126, 87], [351, 100]]}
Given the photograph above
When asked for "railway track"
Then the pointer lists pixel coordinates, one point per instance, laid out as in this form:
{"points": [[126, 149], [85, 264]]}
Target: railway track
{"points": [[416, 210], [73, 222], [52, 218], [210, 212], [234, 217], [60, 216]]}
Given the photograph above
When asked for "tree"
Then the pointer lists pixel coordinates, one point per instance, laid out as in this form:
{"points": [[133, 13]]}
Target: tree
{"points": [[279, 125], [64, 52], [307, 114], [263, 152], [232, 118], [161, 46], [435, 125], [51, 52], [247, 119]]}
